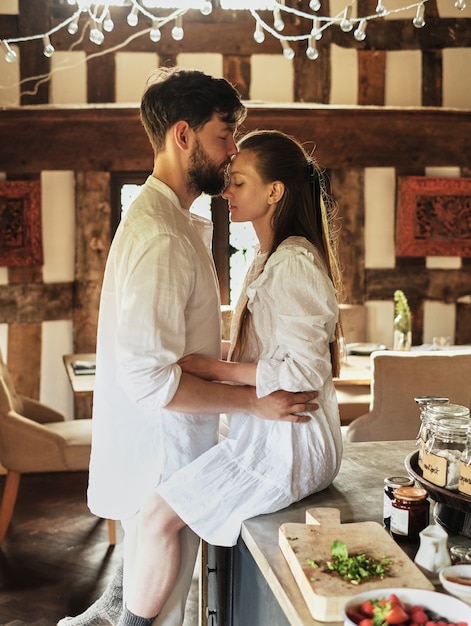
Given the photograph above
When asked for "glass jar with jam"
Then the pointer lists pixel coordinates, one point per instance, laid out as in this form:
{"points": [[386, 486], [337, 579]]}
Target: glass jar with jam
{"points": [[390, 484], [424, 403], [447, 435], [410, 512]]}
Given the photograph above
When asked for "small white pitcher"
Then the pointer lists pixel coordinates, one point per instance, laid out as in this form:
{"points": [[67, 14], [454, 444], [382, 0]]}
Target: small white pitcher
{"points": [[432, 554]]}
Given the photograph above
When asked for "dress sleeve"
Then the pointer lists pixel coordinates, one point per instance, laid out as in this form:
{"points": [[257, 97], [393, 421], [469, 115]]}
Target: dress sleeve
{"points": [[151, 327], [303, 309]]}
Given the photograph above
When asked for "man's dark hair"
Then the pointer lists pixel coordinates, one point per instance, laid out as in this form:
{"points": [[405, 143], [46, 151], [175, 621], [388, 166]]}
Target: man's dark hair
{"points": [[174, 94]]}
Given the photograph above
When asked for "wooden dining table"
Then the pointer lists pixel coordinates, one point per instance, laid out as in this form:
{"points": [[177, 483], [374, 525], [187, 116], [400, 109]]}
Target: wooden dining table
{"points": [[356, 370]]}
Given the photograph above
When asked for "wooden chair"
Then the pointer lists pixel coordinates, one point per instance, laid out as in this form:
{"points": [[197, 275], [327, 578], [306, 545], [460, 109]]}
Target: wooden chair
{"points": [[397, 378], [35, 438]]}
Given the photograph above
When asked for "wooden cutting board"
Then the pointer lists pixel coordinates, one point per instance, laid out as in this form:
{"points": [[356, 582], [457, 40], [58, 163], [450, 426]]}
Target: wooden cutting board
{"points": [[326, 592]]}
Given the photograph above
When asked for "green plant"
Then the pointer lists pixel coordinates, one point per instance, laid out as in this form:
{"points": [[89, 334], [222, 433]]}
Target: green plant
{"points": [[403, 318]]}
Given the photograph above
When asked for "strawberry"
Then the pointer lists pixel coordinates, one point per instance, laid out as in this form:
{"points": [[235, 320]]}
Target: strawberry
{"points": [[396, 614], [367, 608]]}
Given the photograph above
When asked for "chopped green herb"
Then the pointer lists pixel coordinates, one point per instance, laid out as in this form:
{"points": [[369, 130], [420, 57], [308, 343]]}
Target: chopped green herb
{"points": [[357, 568]]}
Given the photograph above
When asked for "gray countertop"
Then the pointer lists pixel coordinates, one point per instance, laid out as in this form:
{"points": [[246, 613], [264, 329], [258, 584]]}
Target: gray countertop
{"points": [[357, 492]]}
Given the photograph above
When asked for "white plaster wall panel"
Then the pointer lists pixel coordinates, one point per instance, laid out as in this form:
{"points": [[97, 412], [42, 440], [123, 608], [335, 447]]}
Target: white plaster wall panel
{"points": [[403, 78], [55, 388], [58, 225], [69, 78], [263, 85], [132, 72], [439, 321], [344, 80], [379, 190]]}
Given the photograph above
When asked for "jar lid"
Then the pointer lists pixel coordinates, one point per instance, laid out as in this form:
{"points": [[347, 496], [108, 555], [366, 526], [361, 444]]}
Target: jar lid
{"points": [[447, 410], [426, 400], [398, 481], [410, 493]]}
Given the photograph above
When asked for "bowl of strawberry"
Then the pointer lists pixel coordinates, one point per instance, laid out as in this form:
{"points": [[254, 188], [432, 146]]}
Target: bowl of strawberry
{"points": [[405, 607]]}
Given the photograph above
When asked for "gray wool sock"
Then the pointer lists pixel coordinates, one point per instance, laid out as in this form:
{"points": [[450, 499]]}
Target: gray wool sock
{"points": [[129, 619], [106, 610]]}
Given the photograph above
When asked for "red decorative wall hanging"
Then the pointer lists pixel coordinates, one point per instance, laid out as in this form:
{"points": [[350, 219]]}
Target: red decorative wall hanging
{"points": [[20, 223], [433, 216]]}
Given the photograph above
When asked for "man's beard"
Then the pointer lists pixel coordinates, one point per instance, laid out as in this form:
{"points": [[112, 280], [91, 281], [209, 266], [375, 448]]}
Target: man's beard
{"points": [[203, 175]]}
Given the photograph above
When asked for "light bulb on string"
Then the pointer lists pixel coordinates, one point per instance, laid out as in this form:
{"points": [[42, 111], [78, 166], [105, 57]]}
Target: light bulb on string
{"points": [[419, 21], [133, 18], [177, 30], [206, 9], [48, 50], [10, 54], [360, 32], [259, 33], [460, 5], [155, 34], [312, 52], [288, 51], [316, 31], [96, 34], [72, 28], [346, 24], [278, 20], [108, 24], [314, 5], [381, 9]]}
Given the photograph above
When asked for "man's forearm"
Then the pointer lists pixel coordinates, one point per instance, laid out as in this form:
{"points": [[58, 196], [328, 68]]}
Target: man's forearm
{"points": [[195, 395]]}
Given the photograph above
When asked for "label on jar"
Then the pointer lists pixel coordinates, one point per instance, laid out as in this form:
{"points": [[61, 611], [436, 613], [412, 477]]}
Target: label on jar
{"points": [[434, 469], [400, 521], [465, 478]]}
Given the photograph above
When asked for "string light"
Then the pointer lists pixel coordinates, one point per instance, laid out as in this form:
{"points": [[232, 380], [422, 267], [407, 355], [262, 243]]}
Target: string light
{"points": [[316, 31], [312, 52], [155, 34], [48, 47], [360, 32], [259, 34], [419, 21], [177, 31], [381, 9], [103, 22], [96, 33], [346, 24], [288, 51], [108, 24], [133, 16], [10, 55], [278, 20]]}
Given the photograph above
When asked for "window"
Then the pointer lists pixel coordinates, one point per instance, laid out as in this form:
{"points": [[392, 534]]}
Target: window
{"points": [[240, 241]]}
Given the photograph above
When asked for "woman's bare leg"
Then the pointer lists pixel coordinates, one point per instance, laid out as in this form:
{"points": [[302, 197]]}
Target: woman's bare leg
{"points": [[157, 560]]}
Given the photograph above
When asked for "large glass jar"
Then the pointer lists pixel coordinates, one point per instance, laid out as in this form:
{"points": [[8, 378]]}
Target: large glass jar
{"points": [[447, 434], [424, 403], [464, 485]]}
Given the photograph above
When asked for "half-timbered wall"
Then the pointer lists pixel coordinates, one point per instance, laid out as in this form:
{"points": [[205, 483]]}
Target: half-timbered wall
{"points": [[397, 104]]}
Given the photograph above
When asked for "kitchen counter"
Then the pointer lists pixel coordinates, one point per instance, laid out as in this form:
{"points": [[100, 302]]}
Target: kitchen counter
{"points": [[252, 583]]}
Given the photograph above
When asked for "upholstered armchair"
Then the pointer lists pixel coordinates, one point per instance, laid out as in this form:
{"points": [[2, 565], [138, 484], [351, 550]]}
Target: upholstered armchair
{"points": [[35, 438], [399, 377]]}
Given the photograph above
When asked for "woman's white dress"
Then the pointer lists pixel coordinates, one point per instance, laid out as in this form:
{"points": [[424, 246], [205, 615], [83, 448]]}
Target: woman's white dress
{"points": [[263, 466]]}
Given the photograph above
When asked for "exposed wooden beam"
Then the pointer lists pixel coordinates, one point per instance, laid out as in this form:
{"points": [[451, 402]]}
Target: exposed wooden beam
{"points": [[92, 137]]}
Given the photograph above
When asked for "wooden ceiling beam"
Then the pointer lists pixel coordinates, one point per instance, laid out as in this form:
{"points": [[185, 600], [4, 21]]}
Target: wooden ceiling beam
{"points": [[111, 138]]}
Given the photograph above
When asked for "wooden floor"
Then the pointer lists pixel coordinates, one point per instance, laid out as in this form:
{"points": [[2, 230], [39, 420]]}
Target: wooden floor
{"points": [[56, 559]]}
